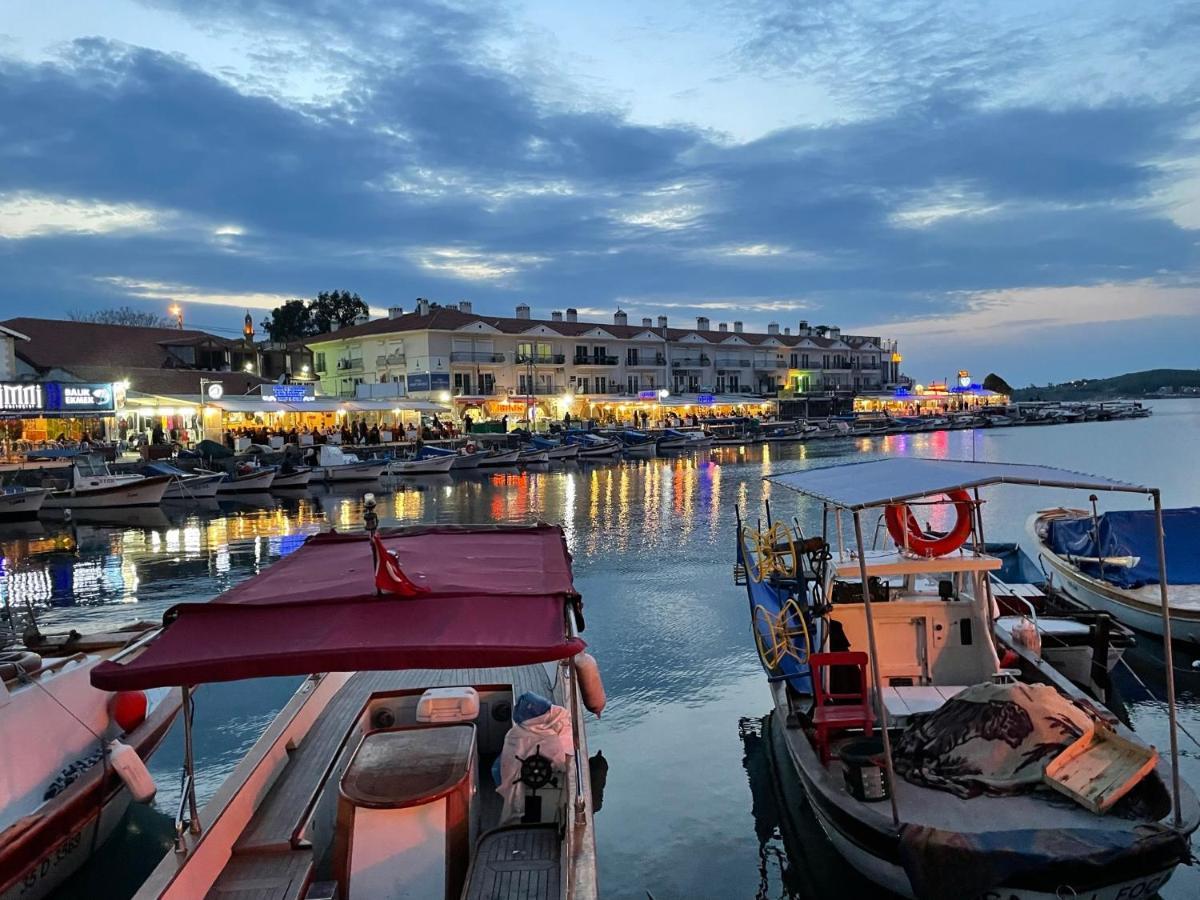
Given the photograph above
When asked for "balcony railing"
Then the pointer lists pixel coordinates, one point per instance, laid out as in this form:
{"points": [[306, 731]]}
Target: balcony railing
{"points": [[476, 356], [538, 390], [349, 364], [684, 362], [777, 363], [389, 359], [595, 360], [732, 362], [643, 362], [541, 359]]}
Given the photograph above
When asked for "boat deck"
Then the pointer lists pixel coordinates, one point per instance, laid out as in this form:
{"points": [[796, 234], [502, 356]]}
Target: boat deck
{"points": [[516, 864], [271, 860]]}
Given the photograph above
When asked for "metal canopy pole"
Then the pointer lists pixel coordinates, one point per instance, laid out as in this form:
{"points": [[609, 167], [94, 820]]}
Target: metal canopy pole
{"points": [[189, 762], [875, 676], [1168, 656]]}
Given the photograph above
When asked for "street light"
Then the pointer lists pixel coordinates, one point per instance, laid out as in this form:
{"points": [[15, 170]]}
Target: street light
{"points": [[177, 311], [249, 367]]}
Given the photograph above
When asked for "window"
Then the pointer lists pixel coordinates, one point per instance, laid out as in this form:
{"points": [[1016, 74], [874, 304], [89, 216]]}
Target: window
{"points": [[733, 384], [601, 384], [794, 361], [524, 384], [584, 384], [633, 383], [597, 351], [462, 383], [487, 383], [319, 361], [631, 356], [524, 351]]}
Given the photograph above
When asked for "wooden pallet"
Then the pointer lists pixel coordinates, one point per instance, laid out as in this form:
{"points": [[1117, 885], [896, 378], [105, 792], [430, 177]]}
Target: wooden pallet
{"points": [[1100, 768]]}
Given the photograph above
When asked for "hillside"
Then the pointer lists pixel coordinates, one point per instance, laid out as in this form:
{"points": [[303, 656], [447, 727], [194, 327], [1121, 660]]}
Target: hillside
{"points": [[1133, 384]]}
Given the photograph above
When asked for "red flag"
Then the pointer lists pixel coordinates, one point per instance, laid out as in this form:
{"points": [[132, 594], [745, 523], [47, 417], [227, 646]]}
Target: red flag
{"points": [[389, 577]]}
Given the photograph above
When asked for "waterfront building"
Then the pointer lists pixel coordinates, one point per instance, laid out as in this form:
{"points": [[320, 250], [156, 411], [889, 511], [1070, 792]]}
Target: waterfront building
{"points": [[452, 353]]}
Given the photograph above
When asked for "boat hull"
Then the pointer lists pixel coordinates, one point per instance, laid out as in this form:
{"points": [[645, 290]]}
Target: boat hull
{"points": [[641, 451], [297, 479], [433, 465], [143, 492], [22, 504], [351, 472], [246, 484], [508, 458], [197, 487]]}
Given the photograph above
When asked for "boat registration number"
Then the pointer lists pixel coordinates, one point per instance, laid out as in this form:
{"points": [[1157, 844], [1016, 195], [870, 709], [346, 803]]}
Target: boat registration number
{"points": [[1140, 889], [47, 865]]}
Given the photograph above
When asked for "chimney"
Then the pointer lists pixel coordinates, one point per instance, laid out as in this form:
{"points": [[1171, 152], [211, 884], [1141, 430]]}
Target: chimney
{"points": [[522, 310], [422, 306], [464, 306], [702, 323], [821, 330], [787, 329], [572, 314], [362, 319], [619, 318], [773, 328], [737, 327], [835, 332], [723, 327], [647, 322], [395, 312], [662, 321], [334, 325], [803, 330], [556, 316]]}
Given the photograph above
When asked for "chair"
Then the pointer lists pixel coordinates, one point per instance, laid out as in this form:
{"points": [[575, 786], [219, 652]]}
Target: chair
{"points": [[834, 710]]}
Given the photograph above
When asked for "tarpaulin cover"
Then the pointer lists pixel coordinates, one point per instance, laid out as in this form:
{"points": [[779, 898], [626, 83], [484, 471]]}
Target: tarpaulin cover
{"points": [[778, 635], [1133, 533], [496, 598]]}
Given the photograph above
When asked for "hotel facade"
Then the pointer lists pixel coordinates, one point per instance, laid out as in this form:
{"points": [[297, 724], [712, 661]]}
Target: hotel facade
{"points": [[439, 352]]}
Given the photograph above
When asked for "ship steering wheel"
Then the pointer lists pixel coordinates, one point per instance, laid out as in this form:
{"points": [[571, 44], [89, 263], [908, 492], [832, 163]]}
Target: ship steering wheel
{"points": [[536, 770]]}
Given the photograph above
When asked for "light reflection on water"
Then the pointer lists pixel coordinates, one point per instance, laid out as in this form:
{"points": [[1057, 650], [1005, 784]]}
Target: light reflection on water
{"points": [[652, 541]]}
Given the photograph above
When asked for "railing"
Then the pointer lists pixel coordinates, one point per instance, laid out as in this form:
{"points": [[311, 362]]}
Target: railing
{"points": [[552, 359], [777, 363], [476, 356], [646, 361], [345, 364], [596, 360], [733, 362], [389, 359], [681, 362], [538, 390]]}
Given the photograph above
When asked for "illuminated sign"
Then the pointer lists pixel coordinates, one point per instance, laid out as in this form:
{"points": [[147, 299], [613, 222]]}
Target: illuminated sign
{"points": [[21, 397], [291, 393], [56, 398], [647, 395], [706, 399], [215, 390], [964, 378], [419, 382]]}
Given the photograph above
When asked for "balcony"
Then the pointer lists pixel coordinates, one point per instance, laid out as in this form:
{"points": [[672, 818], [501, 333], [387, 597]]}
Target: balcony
{"points": [[732, 362], [350, 364], [539, 390], [764, 365], [595, 360], [475, 356], [541, 359], [646, 362], [690, 362], [389, 359]]}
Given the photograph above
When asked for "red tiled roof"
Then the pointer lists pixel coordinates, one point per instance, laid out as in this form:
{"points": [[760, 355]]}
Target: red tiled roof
{"points": [[443, 318], [67, 345]]}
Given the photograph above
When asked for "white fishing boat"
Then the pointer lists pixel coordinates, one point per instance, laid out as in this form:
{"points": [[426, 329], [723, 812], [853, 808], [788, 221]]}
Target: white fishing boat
{"points": [[332, 464], [1109, 562], [19, 502], [186, 485], [67, 749], [422, 465], [291, 477], [247, 479], [594, 447], [93, 486], [533, 457], [500, 458], [442, 755], [935, 751], [644, 450], [557, 452]]}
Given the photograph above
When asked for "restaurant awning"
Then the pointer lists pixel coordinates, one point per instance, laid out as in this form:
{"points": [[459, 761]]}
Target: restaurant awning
{"points": [[496, 598]]}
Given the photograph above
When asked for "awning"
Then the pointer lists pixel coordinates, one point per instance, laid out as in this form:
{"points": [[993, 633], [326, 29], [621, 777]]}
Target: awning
{"points": [[496, 598], [897, 479]]}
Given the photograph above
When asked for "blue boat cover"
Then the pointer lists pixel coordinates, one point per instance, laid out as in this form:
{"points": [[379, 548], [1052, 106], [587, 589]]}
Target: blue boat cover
{"points": [[427, 452], [162, 468], [771, 600], [1132, 533]]}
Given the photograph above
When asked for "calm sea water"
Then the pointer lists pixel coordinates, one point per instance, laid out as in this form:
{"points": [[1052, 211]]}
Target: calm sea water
{"points": [[690, 806]]}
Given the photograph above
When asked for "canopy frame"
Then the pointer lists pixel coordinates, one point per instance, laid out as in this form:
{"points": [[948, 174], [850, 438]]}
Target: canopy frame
{"points": [[1070, 481]]}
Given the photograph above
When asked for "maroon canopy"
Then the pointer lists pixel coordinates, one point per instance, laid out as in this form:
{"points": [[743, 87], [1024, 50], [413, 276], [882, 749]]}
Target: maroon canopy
{"points": [[496, 598]]}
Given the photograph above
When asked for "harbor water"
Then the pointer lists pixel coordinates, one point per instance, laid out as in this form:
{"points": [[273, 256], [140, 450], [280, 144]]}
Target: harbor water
{"points": [[691, 805]]}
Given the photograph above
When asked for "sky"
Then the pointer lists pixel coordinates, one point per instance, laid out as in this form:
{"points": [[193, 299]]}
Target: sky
{"points": [[1001, 186]]}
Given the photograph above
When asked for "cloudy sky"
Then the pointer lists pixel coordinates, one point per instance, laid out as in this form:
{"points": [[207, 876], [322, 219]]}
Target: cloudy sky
{"points": [[1010, 186]]}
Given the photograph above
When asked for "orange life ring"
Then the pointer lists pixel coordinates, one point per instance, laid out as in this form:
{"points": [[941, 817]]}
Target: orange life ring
{"points": [[470, 448], [902, 525]]}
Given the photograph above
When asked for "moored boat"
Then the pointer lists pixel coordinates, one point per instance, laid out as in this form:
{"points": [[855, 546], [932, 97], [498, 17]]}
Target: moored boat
{"points": [[533, 456], [924, 740], [186, 485], [19, 502], [556, 451], [443, 755], [428, 464], [93, 486], [332, 464], [289, 476], [500, 458], [247, 479]]}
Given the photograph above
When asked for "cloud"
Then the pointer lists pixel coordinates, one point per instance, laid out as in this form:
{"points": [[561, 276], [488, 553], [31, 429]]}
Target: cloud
{"points": [[24, 215]]}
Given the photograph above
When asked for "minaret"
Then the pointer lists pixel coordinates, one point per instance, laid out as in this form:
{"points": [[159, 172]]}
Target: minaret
{"points": [[248, 328]]}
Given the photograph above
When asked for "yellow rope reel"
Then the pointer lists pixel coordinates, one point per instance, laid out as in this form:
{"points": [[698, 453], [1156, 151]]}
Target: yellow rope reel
{"points": [[775, 553], [776, 634]]}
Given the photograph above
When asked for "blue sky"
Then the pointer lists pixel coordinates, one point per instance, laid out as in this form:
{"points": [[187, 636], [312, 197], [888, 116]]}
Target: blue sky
{"points": [[1008, 186]]}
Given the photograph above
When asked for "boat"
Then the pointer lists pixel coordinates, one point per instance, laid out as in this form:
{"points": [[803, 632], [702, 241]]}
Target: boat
{"points": [[430, 464], [467, 458], [61, 795], [457, 647], [556, 451], [333, 464], [20, 502], [500, 458], [186, 485], [644, 450], [93, 486], [533, 457], [934, 753], [1120, 575], [246, 479], [670, 440], [593, 446], [289, 476]]}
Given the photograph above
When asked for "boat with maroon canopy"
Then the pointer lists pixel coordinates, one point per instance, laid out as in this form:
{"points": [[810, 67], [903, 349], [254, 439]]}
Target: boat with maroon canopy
{"points": [[432, 653]]}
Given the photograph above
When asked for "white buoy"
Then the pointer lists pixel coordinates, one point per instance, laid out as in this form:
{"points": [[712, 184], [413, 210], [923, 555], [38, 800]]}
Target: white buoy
{"points": [[133, 771], [590, 684]]}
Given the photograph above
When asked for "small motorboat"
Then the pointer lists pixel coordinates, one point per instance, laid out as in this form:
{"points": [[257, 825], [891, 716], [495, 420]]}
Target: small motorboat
{"points": [[65, 745], [939, 762], [19, 502], [500, 458], [643, 450], [333, 464], [289, 476], [94, 486], [593, 446], [533, 457], [671, 440], [430, 464], [1108, 562], [186, 485], [247, 479], [437, 747], [556, 451]]}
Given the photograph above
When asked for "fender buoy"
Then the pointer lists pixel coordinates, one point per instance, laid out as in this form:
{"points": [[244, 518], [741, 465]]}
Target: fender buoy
{"points": [[126, 762], [590, 685], [902, 525], [128, 709], [16, 662], [470, 448]]}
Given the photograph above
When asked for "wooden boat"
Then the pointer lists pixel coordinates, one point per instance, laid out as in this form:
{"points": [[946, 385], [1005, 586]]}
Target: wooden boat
{"points": [[332, 464], [376, 779], [533, 457], [19, 502], [1115, 580], [914, 636], [247, 480], [556, 451], [500, 458], [593, 446], [423, 465], [61, 796], [186, 485], [293, 477], [93, 486]]}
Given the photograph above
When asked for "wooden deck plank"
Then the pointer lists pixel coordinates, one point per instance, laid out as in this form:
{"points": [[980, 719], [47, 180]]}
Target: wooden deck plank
{"points": [[520, 863], [264, 876]]}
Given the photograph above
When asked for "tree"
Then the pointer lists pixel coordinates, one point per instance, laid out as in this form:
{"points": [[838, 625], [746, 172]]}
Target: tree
{"points": [[298, 319], [122, 315], [995, 383]]}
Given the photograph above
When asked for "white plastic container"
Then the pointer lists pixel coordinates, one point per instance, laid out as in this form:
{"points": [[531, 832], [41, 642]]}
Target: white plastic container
{"points": [[133, 771], [452, 704]]}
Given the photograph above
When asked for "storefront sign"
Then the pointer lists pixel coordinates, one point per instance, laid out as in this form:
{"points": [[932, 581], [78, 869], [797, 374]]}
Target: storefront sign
{"points": [[420, 382], [291, 393], [55, 398], [21, 397], [706, 399], [439, 381], [647, 395]]}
